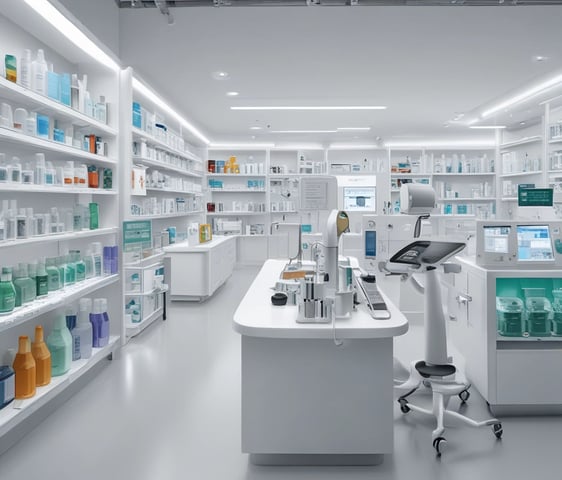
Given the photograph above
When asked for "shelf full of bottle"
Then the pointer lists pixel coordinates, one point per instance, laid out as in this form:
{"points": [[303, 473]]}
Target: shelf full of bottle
{"points": [[29, 289], [152, 155], [158, 181], [233, 167], [45, 174], [451, 163], [150, 128], [62, 95], [228, 226], [78, 337], [144, 294], [152, 206]]}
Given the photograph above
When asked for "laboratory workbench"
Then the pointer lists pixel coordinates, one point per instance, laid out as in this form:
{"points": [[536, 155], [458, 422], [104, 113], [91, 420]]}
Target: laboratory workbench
{"points": [[305, 399]]}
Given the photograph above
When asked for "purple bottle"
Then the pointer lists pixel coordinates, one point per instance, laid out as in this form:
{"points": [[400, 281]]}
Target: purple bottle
{"points": [[96, 319]]}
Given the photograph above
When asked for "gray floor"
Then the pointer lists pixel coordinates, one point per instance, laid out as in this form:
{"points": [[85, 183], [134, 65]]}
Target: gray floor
{"points": [[169, 408]]}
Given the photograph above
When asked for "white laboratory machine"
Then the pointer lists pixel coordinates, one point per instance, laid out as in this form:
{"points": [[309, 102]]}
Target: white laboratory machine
{"points": [[505, 318]]}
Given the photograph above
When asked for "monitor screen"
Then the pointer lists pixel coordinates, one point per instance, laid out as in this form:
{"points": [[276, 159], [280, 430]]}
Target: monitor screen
{"points": [[359, 198], [534, 243], [370, 244], [496, 239]]}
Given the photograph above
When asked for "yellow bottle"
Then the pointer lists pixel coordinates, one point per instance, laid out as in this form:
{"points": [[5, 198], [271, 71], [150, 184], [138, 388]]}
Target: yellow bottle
{"points": [[42, 357], [24, 367]]}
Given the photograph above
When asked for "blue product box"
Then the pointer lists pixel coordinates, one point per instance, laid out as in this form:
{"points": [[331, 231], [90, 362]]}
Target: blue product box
{"points": [[65, 92], [137, 115], [53, 86]]}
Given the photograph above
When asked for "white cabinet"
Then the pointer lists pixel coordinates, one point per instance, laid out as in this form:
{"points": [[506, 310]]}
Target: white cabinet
{"points": [[514, 371], [196, 272]]}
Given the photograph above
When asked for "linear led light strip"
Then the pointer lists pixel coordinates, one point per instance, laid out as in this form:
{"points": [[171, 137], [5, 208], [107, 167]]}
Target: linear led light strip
{"points": [[148, 93], [523, 95], [358, 107], [72, 32]]}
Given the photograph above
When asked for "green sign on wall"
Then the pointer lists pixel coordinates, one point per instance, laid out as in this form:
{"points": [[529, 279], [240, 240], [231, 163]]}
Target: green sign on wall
{"points": [[535, 197], [137, 235]]}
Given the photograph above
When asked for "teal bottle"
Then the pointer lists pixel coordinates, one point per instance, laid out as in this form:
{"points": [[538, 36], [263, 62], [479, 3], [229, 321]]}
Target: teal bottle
{"points": [[41, 280], [7, 292], [59, 342], [69, 271], [25, 287], [53, 274], [32, 273], [80, 266], [60, 262]]}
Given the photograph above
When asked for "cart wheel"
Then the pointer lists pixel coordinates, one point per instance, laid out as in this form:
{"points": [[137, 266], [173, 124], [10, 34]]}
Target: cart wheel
{"points": [[464, 396], [403, 405], [497, 429], [439, 443]]}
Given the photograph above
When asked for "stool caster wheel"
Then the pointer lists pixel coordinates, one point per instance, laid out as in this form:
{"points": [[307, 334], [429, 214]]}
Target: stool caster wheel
{"points": [[403, 405], [498, 430], [439, 443], [464, 396]]}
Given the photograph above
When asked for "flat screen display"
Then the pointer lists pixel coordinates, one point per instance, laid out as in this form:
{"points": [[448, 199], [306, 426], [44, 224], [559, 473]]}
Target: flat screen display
{"points": [[534, 243], [370, 244], [359, 198], [496, 239]]}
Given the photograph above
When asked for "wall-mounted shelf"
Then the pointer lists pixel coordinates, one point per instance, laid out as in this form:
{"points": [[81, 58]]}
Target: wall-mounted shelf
{"points": [[10, 416], [165, 215], [23, 97], [165, 166], [171, 190], [35, 144], [555, 140], [235, 175], [466, 199], [458, 175], [520, 174], [58, 237], [54, 300], [509, 199], [521, 141], [224, 190], [31, 188], [139, 134], [410, 175]]}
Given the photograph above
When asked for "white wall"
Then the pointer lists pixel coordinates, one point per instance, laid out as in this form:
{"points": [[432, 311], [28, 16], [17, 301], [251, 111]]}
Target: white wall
{"points": [[101, 17]]}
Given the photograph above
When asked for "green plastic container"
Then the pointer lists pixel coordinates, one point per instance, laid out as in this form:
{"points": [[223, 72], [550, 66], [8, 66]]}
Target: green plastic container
{"points": [[509, 314], [539, 313]]}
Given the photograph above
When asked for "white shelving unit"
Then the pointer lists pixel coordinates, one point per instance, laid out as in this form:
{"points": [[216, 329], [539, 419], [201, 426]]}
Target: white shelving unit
{"points": [[21, 28], [173, 174]]}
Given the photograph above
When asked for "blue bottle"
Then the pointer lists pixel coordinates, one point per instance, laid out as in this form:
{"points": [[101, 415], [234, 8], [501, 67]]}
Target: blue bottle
{"points": [[96, 319]]}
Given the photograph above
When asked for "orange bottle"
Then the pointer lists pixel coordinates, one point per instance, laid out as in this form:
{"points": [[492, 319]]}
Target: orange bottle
{"points": [[24, 367], [42, 357]]}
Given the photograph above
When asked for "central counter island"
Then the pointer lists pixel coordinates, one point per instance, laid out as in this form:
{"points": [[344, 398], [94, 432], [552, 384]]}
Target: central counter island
{"points": [[306, 400]]}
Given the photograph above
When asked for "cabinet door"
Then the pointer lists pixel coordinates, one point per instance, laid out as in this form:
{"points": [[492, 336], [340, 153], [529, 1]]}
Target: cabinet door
{"points": [[189, 274]]}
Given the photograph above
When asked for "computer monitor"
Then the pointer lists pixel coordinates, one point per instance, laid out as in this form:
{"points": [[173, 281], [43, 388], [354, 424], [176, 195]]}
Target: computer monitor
{"points": [[496, 238], [534, 243], [359, 198]]}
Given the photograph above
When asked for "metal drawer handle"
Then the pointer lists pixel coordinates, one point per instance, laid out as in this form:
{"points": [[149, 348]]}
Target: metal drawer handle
{"points": [[463, 299]]}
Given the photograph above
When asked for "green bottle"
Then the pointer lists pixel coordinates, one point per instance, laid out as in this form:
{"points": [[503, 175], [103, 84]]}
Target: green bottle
{"points": [[32, 273], [7, 291], [80, 266], [60, 263], [60, 345], [69, 271], [53, 274], [42, 280], [25, 287]]}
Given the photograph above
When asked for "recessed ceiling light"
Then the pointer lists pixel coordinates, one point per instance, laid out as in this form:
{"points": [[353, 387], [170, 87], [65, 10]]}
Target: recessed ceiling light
{"points": [[521, 123], [540, 58], [232, 94], [255, 128], [354, 129], [487, 127], [303, 131], [339, 107], [220, 75]]}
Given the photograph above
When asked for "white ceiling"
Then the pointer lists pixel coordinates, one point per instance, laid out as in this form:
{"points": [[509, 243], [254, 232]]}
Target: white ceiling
{"points": [[425, 63]]}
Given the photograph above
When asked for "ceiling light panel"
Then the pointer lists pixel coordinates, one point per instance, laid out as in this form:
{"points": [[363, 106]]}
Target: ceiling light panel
{"points": [[311, 107]]}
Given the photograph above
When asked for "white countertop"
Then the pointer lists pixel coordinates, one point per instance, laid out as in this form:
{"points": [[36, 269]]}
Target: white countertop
{"points": [[257, 317], [183, 247]]}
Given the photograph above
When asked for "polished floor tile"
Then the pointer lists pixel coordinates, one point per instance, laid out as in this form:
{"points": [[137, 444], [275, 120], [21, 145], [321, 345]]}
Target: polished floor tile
{"points": [[169, 408]]}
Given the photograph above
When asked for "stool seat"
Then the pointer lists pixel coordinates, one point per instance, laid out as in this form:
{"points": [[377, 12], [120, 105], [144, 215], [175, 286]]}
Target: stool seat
{"points": [[427, 371]]}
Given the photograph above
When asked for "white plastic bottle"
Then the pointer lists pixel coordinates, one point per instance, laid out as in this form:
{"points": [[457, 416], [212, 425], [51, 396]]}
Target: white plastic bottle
{"points": [[39, 73], [82, 333], [25, 69]]}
